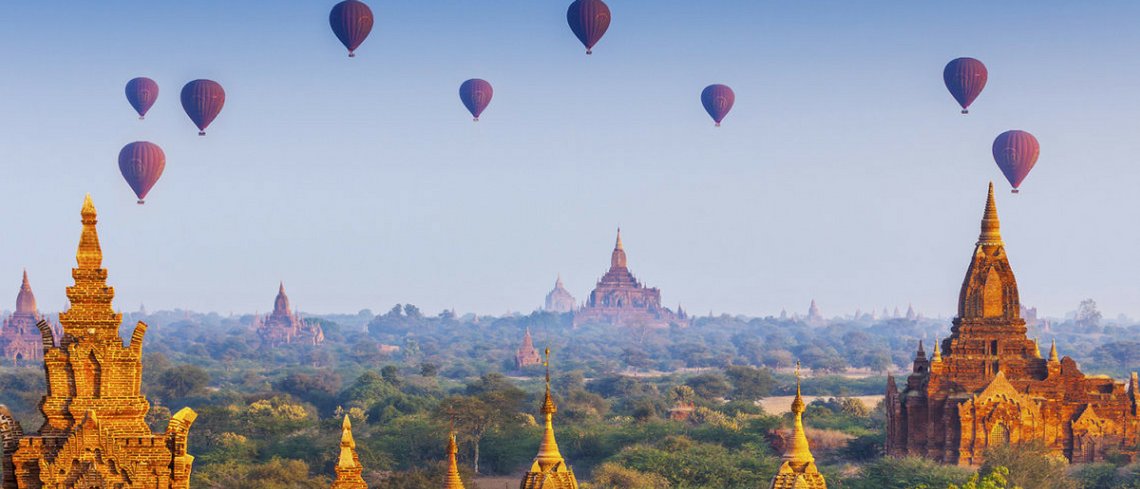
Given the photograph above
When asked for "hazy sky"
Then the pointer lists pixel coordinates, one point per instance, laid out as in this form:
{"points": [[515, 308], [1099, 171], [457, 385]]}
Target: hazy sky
{"points": [[844, 173]]}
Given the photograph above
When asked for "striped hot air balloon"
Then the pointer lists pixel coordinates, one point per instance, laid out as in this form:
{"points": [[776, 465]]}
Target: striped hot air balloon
{"points": [[965, 78], [203, 100], [589, 20], [1015, 153], [718, 100], [476, 95], [141, 94], [351, 21], [141, 164]]}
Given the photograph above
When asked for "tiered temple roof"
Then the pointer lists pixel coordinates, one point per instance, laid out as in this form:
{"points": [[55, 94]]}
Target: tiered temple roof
{"points": [[620, 299], [20, 339], [559, 299], [284, 326], [527, 355]]}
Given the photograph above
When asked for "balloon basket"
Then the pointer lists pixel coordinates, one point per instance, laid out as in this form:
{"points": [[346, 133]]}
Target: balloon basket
{"points": [[589, 52], [201, 133], [351, 54], [140, 202], [1015, 191], [476, 119], [964, 111], [142, 118], [716, 124]]}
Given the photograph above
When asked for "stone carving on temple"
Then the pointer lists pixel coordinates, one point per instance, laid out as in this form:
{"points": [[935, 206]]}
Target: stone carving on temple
{"points": [[559, 299], [20, 339], [798, 469], [349, 471], [987, 384], [619, 299], [549, 470], [284, 326], [95, 433], [527, 355]]}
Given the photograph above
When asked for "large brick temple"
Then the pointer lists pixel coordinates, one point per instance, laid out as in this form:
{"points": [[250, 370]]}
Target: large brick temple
{"points": [[20, 339], [988, 384], [620, 299], [284, 326], [95, 433], [559, 299]]}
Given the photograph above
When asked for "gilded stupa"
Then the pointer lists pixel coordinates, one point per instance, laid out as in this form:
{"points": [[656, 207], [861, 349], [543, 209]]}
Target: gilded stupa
{"points": [[549, 470], [94, 433], [452, 480], [348, 467], [798, 470]]}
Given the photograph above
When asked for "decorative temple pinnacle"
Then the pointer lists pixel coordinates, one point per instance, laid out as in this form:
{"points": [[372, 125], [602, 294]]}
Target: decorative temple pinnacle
{"points": [[348, 468], [937, 357], [991, 226], [548, 406], [1053, 352], [548, 454], [1036, 348], [452, 479], [798, 450], [90, 255], [347, 444], [921, 353], [25, 300], [618, 246]]}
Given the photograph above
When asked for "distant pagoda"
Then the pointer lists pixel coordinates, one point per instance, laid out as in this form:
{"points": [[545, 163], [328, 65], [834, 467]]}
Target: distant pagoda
{"points": [[527, 355], [349, 471], [283, 326], [620, 299], [95, 433], [20, 340], [451, 479], [798, 470], [549, 470], [559, 300]]}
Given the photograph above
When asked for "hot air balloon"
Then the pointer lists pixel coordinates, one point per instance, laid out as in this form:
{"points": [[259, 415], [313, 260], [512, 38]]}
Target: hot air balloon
{"points": [[203, 100], [351, 21], [965, 78], [141, 93], [589, 20], [141, 163], [476, 95], [1015, 153], [718, 100]]}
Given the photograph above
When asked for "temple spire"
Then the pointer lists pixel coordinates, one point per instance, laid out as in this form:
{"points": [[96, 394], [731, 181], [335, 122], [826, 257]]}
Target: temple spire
{"points": [[617, 259], [937, 356], [90, 312], [798, 470], [348, 468], [548, 453], [798, 450], [549, 470], [991, 226], [452, 480], [1053, 357], [618, 246], [89, 256], [25, 300]]}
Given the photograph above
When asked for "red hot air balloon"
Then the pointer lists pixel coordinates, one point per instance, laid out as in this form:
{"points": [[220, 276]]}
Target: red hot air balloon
{"points": [[476, 95], [589, 20], [718, 100], [141, 163], [965, 78], [1015, 153], [351, 21], [203, 100], [141, 93]]}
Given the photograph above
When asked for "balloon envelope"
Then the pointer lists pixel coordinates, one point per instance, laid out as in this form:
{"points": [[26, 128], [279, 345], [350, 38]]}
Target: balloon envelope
{"points": [[589, 20], [718, 100], [141, 93], [351, 21], [1015, 153], [203, 100], [141, 164], [476, 95], [965, 78]]}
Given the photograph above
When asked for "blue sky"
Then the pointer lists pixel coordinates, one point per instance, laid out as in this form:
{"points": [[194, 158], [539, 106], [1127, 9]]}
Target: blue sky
{"points": [[844, 173]]}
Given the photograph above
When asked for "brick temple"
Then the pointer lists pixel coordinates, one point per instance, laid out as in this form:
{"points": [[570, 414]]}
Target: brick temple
{"points": [[526, 355], [95, 433], [988, 384], [348, 468], [620, 299], [20, 339], [559, 299], [284, 326]]}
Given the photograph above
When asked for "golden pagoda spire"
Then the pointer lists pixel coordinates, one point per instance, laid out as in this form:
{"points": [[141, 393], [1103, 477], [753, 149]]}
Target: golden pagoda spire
{"points": [[548, 453], [90, 313], [90, 255], [452, 480], [549, 470], [618, 246], [798, 450], [937, 356], [348, 467], [1036, 348], [1053, 357], [991, 226], [798, 470]]}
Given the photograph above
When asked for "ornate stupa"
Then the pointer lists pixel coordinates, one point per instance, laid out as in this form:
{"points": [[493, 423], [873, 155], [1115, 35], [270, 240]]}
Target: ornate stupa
{"points": [[452, 480], [987, 384], [559, 299], [798, 470], [814, 316], [348, 467], [620, 299], [94, 433], [527, 355], [284, 326], [549, 470], [20, 340]]}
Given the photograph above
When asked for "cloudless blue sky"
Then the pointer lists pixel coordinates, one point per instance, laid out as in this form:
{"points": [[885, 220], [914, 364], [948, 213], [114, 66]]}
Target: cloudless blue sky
{"points": [[844, 173]]}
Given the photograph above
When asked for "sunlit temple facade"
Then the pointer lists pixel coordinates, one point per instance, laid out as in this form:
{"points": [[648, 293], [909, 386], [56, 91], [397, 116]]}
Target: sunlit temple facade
{"points": [[987, 384], [95, 433], [620, 299]]}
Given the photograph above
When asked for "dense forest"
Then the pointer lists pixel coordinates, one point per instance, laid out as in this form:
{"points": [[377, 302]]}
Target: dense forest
{"points": [[270, 417]]}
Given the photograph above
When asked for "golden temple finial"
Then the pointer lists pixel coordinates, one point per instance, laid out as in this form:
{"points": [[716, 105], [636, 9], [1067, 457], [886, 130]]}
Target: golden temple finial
{"points": [[548, 406], [1036, 347], [548, 454], [347, 444], [452, 479], [90, 255], [798, 470], [991, 226], [798, 450], [937, 356], [618, 246], [348, 468], [1053, 357]]}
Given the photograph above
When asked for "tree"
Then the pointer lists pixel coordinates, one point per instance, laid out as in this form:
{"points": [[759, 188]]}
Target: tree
{"points": [[995, 479], [709, 386], [906, 473], [178, 382], [613, 476], [391, 374], [748, 383], [428, 369], [472, 419], [1030, 464], [1087, 315]]}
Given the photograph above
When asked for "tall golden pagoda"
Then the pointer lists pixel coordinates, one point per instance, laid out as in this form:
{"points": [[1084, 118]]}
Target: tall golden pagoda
{"points": [[798, 470], [94, 432], [348, 468], [549, 470], [452, 480]]}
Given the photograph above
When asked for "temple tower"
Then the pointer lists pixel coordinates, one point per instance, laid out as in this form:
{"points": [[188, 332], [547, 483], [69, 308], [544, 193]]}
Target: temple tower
{"points": [[619, 299], [452, 480], [284, 326], [798, 470], [559, 299], [95, 433], [20, 339], [527, 355], [348, 468], [549, 470]]}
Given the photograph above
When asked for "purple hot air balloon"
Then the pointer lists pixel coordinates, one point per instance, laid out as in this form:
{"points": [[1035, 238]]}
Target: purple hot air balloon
{"points": [[141, 93], [476, 95], [589, 20], [718, 100], [351, 21], [203, 100], [1015, 153], [965, 78], [141, 163]]}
